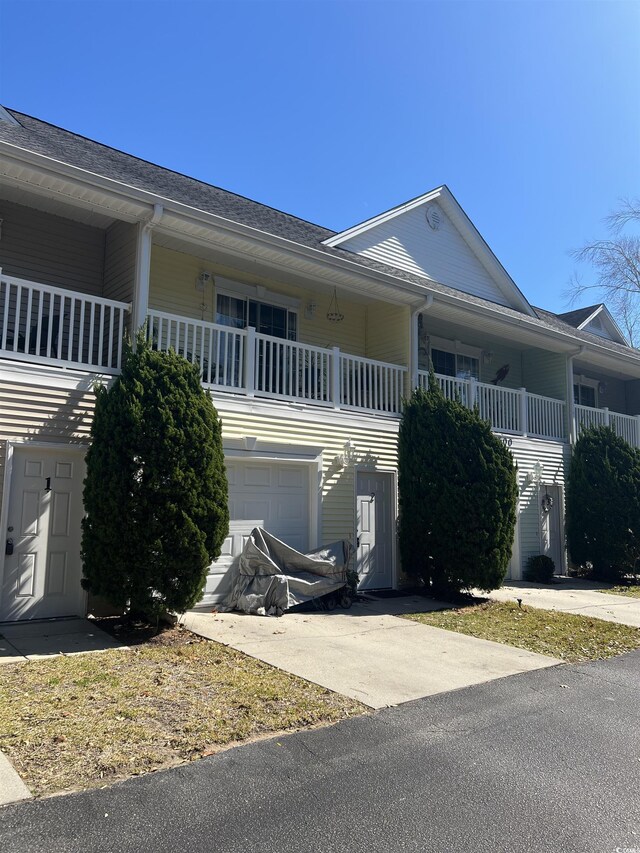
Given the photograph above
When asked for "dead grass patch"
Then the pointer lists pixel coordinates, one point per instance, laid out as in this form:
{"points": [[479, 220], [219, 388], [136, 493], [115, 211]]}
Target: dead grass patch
{"points": [[548, 632], [630, 591], [69, 723]]}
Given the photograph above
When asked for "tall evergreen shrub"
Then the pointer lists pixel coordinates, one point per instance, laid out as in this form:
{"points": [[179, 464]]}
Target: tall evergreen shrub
{"points": [[457, 491], [603, 504], [155, 493]]}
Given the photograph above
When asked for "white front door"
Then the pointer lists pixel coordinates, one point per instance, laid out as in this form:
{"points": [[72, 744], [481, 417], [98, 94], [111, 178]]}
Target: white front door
{"points": [[42, 574], [551, 528], [375, 529]]}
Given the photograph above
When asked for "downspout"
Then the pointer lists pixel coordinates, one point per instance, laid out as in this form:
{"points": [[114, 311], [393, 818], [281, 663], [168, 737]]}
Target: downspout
{"points": [[570, 404], [143, 269], [415, 356]]}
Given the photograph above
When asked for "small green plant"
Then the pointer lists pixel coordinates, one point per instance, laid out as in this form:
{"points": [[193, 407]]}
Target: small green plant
{"points": [[540, 569]]}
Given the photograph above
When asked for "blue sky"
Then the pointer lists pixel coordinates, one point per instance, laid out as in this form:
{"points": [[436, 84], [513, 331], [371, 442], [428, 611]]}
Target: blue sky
{"points": [[335, 111]]}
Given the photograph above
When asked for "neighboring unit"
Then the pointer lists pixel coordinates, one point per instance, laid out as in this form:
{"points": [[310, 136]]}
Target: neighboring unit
{"points": [[308, 341]]}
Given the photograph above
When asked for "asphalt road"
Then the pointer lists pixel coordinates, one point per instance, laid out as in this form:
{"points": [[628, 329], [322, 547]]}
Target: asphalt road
{"points": [[544, 761]]}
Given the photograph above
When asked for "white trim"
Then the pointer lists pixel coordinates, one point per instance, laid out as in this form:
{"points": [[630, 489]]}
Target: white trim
{"points": [[8, 118], [304, 413], [255, 292], [607, 321], [454, 347], [288, 454], [13, 444], [141, 201], [42, 376], [374, 469], [468, 232]]}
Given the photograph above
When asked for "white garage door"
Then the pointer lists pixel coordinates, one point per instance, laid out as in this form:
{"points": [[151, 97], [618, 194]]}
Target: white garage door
{"points": [[274, 495]]}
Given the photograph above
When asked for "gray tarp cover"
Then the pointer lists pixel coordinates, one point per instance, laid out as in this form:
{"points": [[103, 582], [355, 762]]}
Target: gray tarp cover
{"points": [[272, 576]]}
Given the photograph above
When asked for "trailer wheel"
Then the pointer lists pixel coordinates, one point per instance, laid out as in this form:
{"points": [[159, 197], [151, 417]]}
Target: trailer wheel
{"points": [[345, 601]]}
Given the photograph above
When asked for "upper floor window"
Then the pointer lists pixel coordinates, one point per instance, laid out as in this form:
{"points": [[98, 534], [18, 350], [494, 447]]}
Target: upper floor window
{"points": [[584, 394], [455, 364], [267, 319]]}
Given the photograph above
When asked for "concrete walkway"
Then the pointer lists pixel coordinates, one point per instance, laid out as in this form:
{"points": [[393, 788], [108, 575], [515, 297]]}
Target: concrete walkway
{"points": [[368, 653], [21, 641], [574, 596]]}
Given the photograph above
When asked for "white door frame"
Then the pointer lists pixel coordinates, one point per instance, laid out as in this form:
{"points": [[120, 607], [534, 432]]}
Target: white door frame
{"points": [[562, 545], [367, 469], [14, 444], [250, 448]]}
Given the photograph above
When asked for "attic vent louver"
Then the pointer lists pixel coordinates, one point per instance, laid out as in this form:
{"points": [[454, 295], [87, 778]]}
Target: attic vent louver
{"points": [[432, 215]]}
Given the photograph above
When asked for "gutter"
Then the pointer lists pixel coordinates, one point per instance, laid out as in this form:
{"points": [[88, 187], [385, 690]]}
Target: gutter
{"points": [[181, 211], [571, 412], [415, 354]]}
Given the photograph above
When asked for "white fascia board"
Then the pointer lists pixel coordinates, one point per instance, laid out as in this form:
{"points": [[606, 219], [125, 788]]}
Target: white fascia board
{"points": [[179, 212], [8, 118], [361, 227], [590, 318], [465, 226], [22, 373], [608, 320]]}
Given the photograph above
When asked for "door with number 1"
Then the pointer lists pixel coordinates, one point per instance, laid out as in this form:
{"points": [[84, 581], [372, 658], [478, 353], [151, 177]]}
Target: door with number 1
{"points": [[375, 529], [42, 567]]}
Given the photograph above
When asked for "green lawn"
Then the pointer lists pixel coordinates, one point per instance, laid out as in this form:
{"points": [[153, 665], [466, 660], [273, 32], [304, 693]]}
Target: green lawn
{"points": [[561, 635], [631, 591], [69, 723]]}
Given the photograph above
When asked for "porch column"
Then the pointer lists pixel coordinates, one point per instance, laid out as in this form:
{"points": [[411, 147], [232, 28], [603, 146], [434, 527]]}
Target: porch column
{"points": [[143, 269], [415, 343]]}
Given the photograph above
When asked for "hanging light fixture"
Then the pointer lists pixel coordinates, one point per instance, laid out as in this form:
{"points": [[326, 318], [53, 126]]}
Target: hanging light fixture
{"points": [[334, 314]]}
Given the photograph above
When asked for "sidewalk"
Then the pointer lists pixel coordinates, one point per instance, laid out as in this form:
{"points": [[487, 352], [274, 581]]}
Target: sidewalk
{"points": [[573, 596]]}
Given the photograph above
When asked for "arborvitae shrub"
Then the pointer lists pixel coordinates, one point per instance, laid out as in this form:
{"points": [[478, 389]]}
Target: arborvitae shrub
{"points": [[155, 494], [603, 504], [457, 492]]}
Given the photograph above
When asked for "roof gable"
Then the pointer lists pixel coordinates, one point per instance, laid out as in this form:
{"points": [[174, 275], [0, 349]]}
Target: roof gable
{"points": [[596, 319], [432, 236]]}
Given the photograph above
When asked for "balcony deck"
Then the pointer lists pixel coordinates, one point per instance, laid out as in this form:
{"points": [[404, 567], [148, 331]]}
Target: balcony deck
{"points": [[63, 328], [49, 325], [243, 361]]}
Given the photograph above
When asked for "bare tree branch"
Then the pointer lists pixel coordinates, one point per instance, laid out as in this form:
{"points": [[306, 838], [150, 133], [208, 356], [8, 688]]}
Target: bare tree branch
{"points": [[615, 264]]}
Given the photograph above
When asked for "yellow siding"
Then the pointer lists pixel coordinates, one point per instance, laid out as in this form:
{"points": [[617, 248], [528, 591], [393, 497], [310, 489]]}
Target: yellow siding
{"points": [[173, 289], [120, 261], [41, 413], [50, 249], [388, 333], [372, 446]]}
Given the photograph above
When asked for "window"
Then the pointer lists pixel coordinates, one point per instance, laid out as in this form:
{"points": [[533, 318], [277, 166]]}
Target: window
{"points": [[267, 319], [454, 364], [584, 395]]}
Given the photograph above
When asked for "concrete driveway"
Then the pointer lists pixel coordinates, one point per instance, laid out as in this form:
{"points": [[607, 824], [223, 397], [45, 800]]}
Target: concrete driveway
{"points": [[574, 596], [368, 652]]}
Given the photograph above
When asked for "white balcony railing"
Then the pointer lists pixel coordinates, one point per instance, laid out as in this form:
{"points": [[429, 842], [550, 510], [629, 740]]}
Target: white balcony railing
{"points": [[626, 426], [508, 410], [50, 325], [248, 363]]}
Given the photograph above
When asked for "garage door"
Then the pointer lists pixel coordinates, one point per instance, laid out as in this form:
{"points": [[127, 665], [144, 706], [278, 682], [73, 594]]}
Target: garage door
{"points": [[274, 495]]}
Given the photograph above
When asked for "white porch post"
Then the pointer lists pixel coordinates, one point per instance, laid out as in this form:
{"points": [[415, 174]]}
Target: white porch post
{"points": [[250, 362], [143, 269], [335, 377], [524, 412], [414, 361], [571, 412]]}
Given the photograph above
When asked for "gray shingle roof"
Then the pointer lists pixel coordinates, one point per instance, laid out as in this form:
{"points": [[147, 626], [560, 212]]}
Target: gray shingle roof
{"points": [[51, 141], [575, 318]]}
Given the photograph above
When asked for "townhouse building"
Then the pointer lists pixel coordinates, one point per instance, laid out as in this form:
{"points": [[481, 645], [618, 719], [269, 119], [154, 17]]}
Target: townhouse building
{"points": [[307, 339]]}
